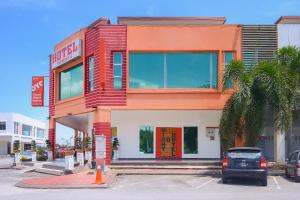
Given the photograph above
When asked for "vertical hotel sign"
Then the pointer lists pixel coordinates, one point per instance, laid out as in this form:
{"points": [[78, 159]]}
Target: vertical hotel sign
{"points": [[37, 91], [66, 53]]}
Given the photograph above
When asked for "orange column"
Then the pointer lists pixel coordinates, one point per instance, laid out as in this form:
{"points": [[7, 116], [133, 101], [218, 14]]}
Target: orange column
{"points": [[102, 127]]}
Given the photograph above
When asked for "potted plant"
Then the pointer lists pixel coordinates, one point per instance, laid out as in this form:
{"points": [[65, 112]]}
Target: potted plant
{"points": [[33, 151], [49, 150], [17, 157], [69, 159], [79, 150], [115, 147], [41, 154], [87, 149]]}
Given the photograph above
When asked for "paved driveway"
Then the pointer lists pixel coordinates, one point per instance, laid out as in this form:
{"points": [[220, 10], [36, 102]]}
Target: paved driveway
{"points": [[172, 187]]}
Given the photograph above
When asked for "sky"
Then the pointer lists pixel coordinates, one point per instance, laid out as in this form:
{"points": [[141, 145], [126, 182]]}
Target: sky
{"points": [[30, 29]]}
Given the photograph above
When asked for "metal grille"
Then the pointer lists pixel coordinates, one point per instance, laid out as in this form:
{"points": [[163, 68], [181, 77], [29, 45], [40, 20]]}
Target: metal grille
{"points": [[259, 43]]}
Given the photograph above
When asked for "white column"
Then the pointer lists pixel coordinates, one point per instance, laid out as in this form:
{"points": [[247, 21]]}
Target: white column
{"points": [[279, 147]]}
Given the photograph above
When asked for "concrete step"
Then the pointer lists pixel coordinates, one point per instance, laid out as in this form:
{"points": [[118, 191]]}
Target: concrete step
{"points": [[49, 171], [157, 163], [53, 166], [179, 167]]}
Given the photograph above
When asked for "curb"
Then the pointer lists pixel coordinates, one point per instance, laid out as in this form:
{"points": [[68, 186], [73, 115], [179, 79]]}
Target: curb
{"points": [[102, 186]]}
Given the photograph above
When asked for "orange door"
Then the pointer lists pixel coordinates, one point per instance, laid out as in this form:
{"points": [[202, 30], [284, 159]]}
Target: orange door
{"points": [[168, 143]]}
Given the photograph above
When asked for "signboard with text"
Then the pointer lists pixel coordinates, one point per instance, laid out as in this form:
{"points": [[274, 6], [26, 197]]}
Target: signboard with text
{"points": [[67, 53], [37, 91]]}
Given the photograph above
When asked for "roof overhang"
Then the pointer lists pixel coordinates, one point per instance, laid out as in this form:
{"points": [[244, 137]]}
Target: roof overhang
{"points": [[170, 20], [288, 20]]}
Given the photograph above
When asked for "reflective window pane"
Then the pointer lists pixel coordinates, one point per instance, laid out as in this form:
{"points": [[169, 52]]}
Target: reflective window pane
{"points": [[118, 58], [173, 70], [191, 70], [190, 140], [117, 70], [71, 82], [91, 73], [146, 139], [146, 70], [228, 57], [26, 130]]}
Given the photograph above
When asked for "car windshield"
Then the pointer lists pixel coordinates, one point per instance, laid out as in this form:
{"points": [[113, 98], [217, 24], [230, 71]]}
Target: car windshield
{"points": [[244, 153]]}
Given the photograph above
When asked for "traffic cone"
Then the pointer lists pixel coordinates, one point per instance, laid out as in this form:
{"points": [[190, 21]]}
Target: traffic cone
{"points": [[99, 179]]}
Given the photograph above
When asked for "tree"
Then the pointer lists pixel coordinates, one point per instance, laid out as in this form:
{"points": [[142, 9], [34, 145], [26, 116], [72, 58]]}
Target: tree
{"points": [[33, 145], [239, 108], [87, 143], [48, 144], [17, 146], [268, 84]]}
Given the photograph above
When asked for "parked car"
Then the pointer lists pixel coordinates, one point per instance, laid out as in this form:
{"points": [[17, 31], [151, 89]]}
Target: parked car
{"points": [[244, 162], [293, 166]]}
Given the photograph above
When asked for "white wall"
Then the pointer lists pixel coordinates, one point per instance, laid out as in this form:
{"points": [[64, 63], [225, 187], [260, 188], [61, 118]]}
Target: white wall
{"points": [[288, 34], [128, 123], [9, 135], [3, 147]]}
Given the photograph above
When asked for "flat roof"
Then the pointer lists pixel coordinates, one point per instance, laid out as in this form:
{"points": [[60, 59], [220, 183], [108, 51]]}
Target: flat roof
{"points": [[288, 20], [170, 20]]}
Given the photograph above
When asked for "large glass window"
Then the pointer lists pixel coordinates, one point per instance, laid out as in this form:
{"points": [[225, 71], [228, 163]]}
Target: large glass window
{"points": [[91, 73], [146, 139], [71, 82], [173, 70], [228, 57], [40, 133], [190, 140], [26, 130], [118, 61], [146, 70], [16, 127], [2, 126]]}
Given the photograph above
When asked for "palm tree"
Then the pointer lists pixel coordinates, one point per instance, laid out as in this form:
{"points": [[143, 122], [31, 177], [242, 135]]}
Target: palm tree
{"points": [[279, 84], [236, 111], [268, 83]]}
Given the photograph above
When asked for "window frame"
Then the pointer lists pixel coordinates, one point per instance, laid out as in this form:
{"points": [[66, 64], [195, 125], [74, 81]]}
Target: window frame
{"points": [[224, 66], [16, 128], [3, 124], [59, 99], [115, 65], [183, 140], [31, 130], [37, 132], [165, 73], [90, 80], [152, 128]]}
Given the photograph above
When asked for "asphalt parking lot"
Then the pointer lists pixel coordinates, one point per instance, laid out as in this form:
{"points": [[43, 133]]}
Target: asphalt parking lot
{"points": [[137, 187]]}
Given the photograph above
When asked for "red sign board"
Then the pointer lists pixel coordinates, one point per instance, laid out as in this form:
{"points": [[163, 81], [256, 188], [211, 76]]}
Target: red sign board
{"points": [[37, 91]]}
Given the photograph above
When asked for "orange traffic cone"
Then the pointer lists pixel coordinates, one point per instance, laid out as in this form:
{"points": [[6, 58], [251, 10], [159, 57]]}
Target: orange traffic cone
{"points": [[99, 179]]}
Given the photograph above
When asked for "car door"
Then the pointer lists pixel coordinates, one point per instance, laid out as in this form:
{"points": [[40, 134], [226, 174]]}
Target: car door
{"points": [[292, 164]]}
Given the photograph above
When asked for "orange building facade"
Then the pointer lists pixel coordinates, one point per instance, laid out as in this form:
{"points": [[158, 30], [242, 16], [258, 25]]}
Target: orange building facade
{"points": [[153, 84]]}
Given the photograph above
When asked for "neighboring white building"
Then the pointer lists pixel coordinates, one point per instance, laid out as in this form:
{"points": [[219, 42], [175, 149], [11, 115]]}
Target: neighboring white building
{"points": [[15, 126]]}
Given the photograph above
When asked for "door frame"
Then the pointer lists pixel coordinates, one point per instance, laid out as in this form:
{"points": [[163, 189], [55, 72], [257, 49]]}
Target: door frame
{"points": [[179, 134]]}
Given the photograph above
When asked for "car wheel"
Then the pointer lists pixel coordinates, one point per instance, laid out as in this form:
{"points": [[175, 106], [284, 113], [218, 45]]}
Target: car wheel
{"points": [[224, 180], [264, 182], [297, 179], [287, 174]]}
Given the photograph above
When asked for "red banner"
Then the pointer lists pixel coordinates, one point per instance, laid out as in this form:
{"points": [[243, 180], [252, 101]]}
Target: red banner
{"points": [[37, 91]]}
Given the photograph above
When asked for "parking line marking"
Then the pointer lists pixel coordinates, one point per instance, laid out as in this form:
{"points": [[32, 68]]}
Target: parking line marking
{"points": [[276, 182], [138, 183], [205, 183]]}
